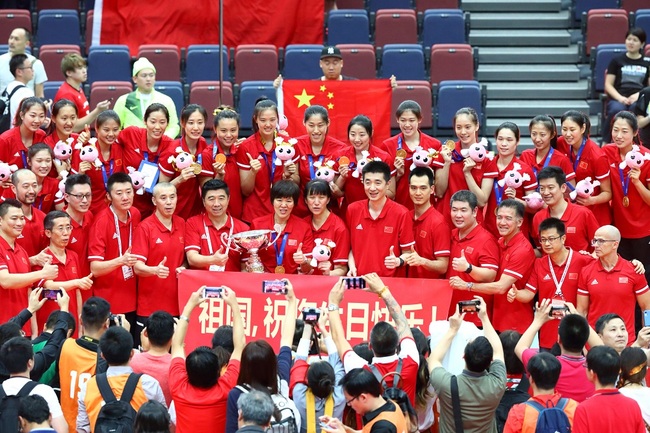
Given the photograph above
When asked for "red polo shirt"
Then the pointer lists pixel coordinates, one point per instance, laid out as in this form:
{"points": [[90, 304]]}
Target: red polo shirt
{"points": [[153, 242], [631, 220], [33, 239], [333, 229], [66, 91], [297, 231], [541, 282], [612, 291], [482, 250], [517, 260], [16, 261], [188, 192], [432, 240], [12, 148], [558, 159], [591, 163], [353, 188], [103, 246], [134, 150], [580, 223], [206, 245], [391, 145], [231, 177], [259, 202], [371, 239]]}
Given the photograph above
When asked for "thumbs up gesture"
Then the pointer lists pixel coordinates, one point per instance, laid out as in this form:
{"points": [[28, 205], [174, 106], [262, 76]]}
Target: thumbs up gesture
{"points": [[162, 271], [255, 163], [392, 261], [298, 257], [460, 264]]}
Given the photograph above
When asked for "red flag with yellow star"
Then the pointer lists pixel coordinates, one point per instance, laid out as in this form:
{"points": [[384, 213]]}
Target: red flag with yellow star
{"points": [[343, 100]]}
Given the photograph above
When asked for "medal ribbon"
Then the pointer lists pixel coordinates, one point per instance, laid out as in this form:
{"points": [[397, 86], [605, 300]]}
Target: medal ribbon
{"points": [[558, 285]]}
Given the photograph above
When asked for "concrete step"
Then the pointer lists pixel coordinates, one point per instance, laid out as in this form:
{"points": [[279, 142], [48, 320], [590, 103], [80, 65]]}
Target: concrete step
{"points": [[537, 90], [534, 55], [531, 108], [536, 20], [512, 6], [493, 123], [540, 73], [520, 38]]}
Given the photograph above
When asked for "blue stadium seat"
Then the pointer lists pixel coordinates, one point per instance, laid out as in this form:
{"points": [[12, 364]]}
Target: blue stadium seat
{"points": [[203, 63], [604, 53], [443, 26], [348, 26], [450, 96], [642, 19], [50, 88], [375, 5], [580, 6], [173, 89], [58, 26], [109, 63], [301, 62], [405, 61], [249, 92]]}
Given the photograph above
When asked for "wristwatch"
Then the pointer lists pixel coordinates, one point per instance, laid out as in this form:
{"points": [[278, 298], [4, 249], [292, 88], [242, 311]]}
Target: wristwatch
{"points": [[332, 307], [469, 269]]}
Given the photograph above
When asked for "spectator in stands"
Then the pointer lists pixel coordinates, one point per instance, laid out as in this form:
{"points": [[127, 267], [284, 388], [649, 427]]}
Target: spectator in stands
{"points": [[607, 410], [19, 40], [627, 75], [17, 356], [430, 257], [75, 70], [482, 383], [152, 417], [15, 142], [409, 118], [132, 106], [116, 345], [224, 167], [21, 68], [642, 111], [543, 132], [78, 196], [610, 283], [454, 176], [631, 383], [544, 371], [474, 251], [516, 265], [64, 118], [588, 161], [34, 415], [255, 411]]}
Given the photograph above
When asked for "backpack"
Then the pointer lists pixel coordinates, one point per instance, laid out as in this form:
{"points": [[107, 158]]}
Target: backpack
{"points": [[284, 420], [394, 393], [5, 108], [9, 405], [551, 419], [116, 416], [511, 397]]}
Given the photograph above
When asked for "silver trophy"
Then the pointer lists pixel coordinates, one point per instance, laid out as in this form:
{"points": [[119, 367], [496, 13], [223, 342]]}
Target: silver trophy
{"points": [[251, 241]]}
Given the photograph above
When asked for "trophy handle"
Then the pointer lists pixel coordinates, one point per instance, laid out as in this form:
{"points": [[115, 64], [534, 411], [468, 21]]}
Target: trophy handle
{"points": [[228, 243]]}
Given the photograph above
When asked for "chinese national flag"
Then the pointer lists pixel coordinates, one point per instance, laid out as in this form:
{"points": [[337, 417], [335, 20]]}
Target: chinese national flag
{"points": [[343, 100]]}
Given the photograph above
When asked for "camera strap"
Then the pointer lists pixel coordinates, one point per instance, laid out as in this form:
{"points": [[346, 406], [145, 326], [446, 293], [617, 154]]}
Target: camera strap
{"points": [[558, 285]]}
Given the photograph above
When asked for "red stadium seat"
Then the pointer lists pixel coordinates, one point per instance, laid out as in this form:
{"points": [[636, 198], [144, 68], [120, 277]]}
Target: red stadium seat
{"points": [[256, 63], [423, 5], [11, 19], [51, 56], [396, 26], [57, 4], [418, 91], [206, 94], [166, 59], [359, 61], [604, 26], [102, 90], [451, 62]]}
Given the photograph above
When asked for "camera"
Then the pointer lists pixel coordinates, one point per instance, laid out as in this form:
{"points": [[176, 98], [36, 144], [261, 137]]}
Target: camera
{"points": [[469, 306], [114, 320], [355, 283], [274, 286], [558, 311], [212, 292], [310, 315], [50, 294]]}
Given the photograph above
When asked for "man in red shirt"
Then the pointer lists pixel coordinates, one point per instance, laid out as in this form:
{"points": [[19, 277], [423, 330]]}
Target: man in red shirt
{"points": [[109, 248], [516, 264], [159, 244], [203, 232], [579, 220], [198, 378], [378, 227], [430, 230], [474, 252], [610, 283], [25, 188]]}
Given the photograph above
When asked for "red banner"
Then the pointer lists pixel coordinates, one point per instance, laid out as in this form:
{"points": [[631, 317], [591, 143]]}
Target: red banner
{"points": [[343, 100], [183, 23], [422, 301]]}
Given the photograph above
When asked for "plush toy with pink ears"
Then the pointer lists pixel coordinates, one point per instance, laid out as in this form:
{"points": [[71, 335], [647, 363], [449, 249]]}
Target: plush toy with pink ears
{"points": [[634, 158], [513, 178], [321, 252], [584, 188]]}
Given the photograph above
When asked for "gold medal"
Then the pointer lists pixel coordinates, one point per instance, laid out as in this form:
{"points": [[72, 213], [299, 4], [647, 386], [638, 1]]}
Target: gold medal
{"points": [[279, 270], [401, 153], [196, 168], [450, 145], [626, 201]]}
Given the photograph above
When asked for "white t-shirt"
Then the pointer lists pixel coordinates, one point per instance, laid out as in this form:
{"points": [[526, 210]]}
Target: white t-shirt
{"points": [[6, 77], [22, 93], [13, 385]]}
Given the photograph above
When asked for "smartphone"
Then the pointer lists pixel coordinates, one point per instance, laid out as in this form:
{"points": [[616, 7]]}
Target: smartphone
{"points": [[278, 287], [354, 283], [212, 292], [646, 318], [558, 311], [468, 306], [50, 294]]}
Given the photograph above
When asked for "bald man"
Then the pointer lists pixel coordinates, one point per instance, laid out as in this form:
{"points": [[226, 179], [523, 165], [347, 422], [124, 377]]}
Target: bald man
{"points": [[609, 284]]}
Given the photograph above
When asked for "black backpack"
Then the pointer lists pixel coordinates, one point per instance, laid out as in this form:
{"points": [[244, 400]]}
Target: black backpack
{"points": [[5, 108], [9, 405], [116, 416]]}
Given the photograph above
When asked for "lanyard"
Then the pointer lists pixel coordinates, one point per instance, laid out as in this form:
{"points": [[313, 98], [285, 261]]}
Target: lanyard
{"points": [[579, 154], [207, 236], [558, 285], [106, 176], [625, 181], [279, 255], [271, 168], [311, 165], [117, 230]]}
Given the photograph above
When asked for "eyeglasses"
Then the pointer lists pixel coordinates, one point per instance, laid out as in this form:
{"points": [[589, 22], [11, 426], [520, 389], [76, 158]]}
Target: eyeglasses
{"points": [[347, 403], [595, 242], [81, 197], [549, 240]]}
